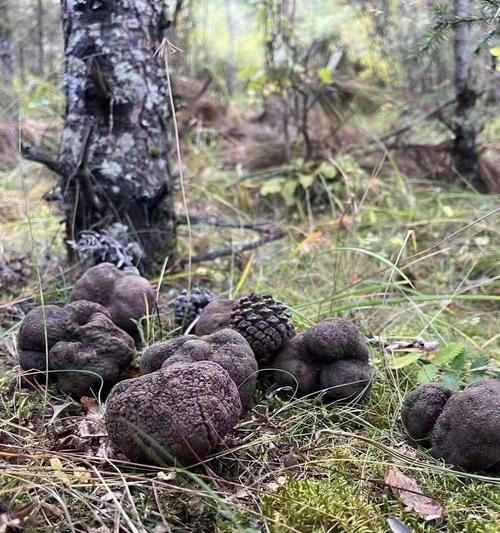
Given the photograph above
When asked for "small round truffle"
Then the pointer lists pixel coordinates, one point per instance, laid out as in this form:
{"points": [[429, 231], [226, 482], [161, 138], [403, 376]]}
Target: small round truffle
{"points": [[329, 358], [467, 432], [124, 293], [215, 316], [421, 409], [177, 415], [334, 339], [346, 380], [225, 347], [84, 346]]}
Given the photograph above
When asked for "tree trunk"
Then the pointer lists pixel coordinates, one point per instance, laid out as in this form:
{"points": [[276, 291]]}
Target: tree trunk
{"points": [[231, 69], [114, 145], [465, 150], [6, 60], [39, 69]]}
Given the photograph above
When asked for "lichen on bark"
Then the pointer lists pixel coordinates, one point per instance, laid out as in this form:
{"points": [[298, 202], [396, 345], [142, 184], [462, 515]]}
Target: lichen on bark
{"points": [[117, 112]]}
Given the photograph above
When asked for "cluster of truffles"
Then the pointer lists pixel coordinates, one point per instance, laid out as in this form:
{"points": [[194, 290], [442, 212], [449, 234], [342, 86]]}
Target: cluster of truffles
{"points": [[331, 357], [191, 394], [90, 340], [462, 428]]}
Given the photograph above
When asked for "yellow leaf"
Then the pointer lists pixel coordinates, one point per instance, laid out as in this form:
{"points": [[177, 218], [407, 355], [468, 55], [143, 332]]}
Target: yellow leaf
{"points": [[495, 51], [56, 464]]}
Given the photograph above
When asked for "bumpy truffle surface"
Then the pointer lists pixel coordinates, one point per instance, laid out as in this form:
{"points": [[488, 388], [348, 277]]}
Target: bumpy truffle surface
{"points": [[329, 357], [467, 432], [189, 304], [178, 414], [84, 346], [125, 294], [225, 347], [421, 409], [334, 339], [215, 316]]}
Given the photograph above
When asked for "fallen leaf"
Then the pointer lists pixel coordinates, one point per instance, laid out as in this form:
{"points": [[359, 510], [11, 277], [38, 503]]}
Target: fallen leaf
{"points": [[411, 495]]}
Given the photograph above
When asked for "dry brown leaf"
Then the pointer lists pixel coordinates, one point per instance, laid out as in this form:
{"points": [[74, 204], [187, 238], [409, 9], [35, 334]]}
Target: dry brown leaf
{"points": [[411, 495]]}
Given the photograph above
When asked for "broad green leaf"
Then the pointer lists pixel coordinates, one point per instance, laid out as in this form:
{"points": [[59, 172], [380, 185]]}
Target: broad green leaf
{"points": [[327, 170], [272, 186], [427, 374], [446, 355], [405, 360], [325, 75], [451, 380], [306, 180], [288, 192], [459, 362]]}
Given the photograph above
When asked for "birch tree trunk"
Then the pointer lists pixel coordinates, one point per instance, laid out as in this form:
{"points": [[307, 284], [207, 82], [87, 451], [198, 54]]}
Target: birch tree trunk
{"points": [[114, 146], [465, 150]]}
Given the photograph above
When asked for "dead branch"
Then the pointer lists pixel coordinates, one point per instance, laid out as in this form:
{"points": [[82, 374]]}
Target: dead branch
{"points": [[39, 155], [231, 250], [219, 223]]}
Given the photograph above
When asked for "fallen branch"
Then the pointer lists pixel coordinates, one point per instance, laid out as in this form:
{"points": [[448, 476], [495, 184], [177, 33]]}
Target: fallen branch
{"points": [[39, 155], [219, 223], [231, 250]]}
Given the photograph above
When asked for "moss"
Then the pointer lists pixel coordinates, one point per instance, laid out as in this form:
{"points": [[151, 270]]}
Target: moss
{"points": [[129, 85]]}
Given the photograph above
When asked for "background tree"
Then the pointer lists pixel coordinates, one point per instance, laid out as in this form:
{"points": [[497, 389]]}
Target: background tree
{"points": [[114, 145]]}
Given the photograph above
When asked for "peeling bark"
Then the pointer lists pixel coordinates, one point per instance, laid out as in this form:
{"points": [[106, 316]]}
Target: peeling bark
{"points": [[114, 145]]}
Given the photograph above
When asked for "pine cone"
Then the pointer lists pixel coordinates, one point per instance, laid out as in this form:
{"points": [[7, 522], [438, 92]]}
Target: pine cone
{"points": [[264, 323], [188, 305]]}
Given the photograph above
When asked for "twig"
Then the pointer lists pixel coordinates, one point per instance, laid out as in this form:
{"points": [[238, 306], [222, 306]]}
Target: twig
{"points": [[219, 223], [224, 252], [39, 155]]}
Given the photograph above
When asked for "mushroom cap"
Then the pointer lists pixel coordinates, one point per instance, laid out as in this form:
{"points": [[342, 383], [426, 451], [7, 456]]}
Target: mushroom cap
{"points": [[215, 316], [307, 365], [421, 409], [335, 338], [346, 380], [84, 345], [226, 347], [467, 432], [124, 293], [178, 414]]}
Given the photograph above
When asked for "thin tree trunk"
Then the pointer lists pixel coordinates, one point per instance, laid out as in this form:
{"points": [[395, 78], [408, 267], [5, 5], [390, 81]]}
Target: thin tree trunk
{"points": [[39, 69], [231, 71], [114, 147], [6, 60], [465, 150]]}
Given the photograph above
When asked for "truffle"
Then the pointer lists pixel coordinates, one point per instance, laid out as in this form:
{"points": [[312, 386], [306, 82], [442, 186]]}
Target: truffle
{"points": [[421, 408], [225, 347], [215, 316], [178, 414], [84, 346], [466, 432], [124, 293], [330, 357]]}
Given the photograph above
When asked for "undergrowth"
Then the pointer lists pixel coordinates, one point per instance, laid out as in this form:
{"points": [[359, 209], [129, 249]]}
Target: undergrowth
{"points": [[401, 258]]}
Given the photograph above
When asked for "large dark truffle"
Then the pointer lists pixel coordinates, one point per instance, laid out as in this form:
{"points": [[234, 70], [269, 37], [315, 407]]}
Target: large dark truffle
{"points": [[225, 347], [466, 431], [421, 408], [178, 414], [215, 316], [330, 358], [124, 293], [84, 347]]}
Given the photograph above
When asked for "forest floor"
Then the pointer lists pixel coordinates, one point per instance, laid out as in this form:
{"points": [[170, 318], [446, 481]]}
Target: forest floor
{"points": [[402, 258]]}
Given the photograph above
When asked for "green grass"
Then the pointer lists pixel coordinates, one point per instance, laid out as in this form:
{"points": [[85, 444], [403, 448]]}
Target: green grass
{"points": [[443, 239]]}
